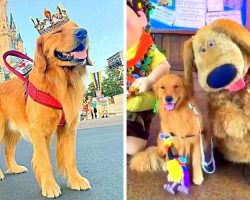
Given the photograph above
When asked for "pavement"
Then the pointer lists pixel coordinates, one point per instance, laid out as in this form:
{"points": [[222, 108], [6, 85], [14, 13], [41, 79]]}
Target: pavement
{"points": [[99, 158], [101, 122]]}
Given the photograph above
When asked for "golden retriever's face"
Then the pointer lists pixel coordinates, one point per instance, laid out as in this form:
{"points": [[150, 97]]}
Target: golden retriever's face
{"points": [[218, 59], [170, 91], [66, 47]]}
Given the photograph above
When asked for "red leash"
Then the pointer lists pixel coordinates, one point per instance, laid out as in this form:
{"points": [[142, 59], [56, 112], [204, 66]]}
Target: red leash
{"points": [[35, 94]]}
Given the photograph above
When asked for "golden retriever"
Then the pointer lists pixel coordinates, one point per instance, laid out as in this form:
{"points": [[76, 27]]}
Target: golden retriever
{"points": [[58, 70], [178, 120]]}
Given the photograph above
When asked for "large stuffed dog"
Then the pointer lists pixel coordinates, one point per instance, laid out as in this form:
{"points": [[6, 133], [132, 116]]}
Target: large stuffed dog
{"points": [[59, 65], [220, 54]]}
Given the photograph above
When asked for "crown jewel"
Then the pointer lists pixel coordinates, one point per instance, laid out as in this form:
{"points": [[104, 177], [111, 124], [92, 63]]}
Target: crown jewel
{"points": [[51, 22]]}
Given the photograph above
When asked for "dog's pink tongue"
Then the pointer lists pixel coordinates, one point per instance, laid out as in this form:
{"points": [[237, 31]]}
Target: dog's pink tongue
{"points": [[238, 85], [169, 106], [79, 54]]}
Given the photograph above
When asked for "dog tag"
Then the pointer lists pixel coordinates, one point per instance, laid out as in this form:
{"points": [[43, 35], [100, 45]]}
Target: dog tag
{"points": [[23, 67]]}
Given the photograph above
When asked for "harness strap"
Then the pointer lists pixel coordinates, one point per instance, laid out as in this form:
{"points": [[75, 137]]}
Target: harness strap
{"points": [[36, 95], [204, 164], [42, 97], [19, 55]]}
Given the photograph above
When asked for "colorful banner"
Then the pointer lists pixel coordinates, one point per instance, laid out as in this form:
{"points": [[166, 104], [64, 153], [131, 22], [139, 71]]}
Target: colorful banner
{"points": [[97, 80]]}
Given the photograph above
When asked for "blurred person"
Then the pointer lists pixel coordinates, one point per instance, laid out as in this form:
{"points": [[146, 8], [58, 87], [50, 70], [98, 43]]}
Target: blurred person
{"points": [[84, 110], [90, 106], [104, 103], [94, 104]]}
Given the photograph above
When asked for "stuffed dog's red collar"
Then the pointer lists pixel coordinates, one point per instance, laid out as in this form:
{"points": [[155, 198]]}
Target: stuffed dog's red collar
{"points": [[37, 95]]}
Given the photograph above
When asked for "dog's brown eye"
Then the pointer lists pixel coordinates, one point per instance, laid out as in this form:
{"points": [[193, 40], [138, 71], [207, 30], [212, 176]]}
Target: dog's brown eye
{"points": [[162, 87], [176, 86]]}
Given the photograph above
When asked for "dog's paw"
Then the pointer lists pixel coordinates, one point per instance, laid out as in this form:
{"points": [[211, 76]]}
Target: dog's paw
{"points": [[1, 175], [198, 180], [79, 183], [18, 169], [51, 189]]}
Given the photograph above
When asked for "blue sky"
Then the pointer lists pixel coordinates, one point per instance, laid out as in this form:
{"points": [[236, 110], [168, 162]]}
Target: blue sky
{"points": [[103, 19]]}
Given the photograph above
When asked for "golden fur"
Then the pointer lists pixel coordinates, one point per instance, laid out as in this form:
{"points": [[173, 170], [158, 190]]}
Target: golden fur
{"points": [[181, 121], [228, 111], [38, 122]]}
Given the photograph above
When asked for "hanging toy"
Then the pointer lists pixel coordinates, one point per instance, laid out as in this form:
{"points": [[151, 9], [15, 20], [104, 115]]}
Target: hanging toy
{"points": [[155, 106], [177, 171]]}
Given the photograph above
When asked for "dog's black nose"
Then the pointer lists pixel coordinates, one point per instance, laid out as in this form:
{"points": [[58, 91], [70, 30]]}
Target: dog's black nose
{"points": [[169, 99], [80, 34], [221, 76]]}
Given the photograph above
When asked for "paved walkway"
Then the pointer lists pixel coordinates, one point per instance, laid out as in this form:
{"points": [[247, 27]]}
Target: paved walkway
{"points": [[99, 158], [101, 122]]}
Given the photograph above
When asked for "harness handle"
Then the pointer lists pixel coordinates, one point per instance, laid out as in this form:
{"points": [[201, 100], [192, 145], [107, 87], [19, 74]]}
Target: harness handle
{"points": [[19, 55]]}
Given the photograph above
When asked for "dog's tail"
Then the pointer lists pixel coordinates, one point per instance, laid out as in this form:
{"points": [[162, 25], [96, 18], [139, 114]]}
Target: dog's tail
{"points": [[147, 161]]}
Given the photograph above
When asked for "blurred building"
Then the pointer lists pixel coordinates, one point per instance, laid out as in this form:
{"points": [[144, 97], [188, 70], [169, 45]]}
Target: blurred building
{"points": [[10, 39], [116, 60]]}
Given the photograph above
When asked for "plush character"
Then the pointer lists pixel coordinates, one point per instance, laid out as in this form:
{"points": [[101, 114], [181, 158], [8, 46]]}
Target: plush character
{"points": [[145, 65], [177, 170], [220, 54]]}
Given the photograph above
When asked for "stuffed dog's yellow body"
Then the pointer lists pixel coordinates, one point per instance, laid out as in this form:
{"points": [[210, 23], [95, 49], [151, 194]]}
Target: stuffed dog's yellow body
{"points": [[220, 53]]}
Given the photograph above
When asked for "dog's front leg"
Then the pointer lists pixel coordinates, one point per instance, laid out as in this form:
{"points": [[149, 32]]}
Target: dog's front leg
{"points": [[42, 165], [66, 158], [196, 164]]}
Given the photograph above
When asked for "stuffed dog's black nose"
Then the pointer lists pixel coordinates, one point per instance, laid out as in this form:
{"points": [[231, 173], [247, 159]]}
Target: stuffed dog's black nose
{"points": [[169, 99], [221, 76], [81, 34]]}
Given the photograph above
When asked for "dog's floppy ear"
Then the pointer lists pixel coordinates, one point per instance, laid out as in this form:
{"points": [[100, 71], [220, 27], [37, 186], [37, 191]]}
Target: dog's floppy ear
{"points": [[235, 31], [189, 66], [155, 90], [88, 61], [40, 60]]}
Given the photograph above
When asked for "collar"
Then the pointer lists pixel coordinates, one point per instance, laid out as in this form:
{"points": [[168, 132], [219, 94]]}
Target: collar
{"points": [[35, 94], [145, 42]]}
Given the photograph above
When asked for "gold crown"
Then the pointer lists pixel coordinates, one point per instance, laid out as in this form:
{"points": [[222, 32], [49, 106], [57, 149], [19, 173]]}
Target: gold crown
{"points": [[54, 21]]}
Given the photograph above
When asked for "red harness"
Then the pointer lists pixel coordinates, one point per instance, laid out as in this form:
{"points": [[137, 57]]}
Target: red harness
{"points": [[30, 90]]}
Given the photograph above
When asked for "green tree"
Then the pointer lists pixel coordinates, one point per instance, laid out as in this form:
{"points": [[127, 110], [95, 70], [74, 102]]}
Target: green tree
{"points": [[112, 82], [90, 90]]}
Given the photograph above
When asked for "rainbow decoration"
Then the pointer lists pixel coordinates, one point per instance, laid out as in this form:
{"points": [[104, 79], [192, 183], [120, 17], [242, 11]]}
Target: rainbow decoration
{"points": [[177, 171], [97, 80]]}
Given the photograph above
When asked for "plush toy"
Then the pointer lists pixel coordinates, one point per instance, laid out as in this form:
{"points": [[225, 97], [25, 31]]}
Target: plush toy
{"points": [[220, 54], [145, 65], [177, 171]]}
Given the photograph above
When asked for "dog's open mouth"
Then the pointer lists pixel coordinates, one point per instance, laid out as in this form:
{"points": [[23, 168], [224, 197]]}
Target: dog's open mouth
{"points": [[170, 106], [79, 55]]}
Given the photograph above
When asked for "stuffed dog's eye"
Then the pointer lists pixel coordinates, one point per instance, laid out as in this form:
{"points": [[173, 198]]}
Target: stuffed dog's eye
{"points": [[203, 49], [211, 43], [162, 87]]}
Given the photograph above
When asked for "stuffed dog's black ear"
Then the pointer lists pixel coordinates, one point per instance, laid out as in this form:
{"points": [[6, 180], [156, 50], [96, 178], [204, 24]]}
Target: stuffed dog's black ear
{"points": [[88, 60], [189, 66], [235, 31]]}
